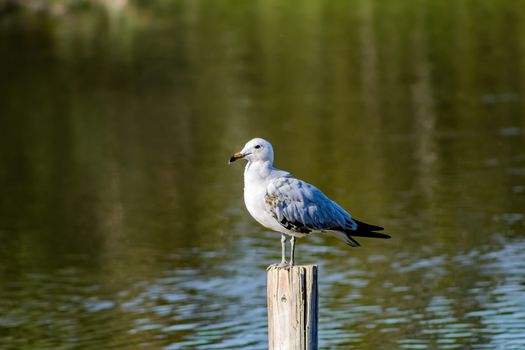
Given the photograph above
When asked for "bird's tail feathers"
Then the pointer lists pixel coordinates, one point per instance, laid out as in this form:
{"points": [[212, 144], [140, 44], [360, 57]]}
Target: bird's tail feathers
{"points": [[366, 230]]}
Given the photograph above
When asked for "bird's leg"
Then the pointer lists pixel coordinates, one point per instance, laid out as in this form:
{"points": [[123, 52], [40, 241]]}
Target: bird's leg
{"points": [[283, 262], [283, 250], [292, 252]]}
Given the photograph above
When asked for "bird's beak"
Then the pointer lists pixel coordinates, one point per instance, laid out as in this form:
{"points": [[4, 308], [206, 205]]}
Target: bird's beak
{"points": [[236, 155]]}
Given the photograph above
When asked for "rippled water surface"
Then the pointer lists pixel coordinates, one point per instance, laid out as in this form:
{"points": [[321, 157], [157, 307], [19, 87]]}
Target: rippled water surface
{"points": [[122, 226]]}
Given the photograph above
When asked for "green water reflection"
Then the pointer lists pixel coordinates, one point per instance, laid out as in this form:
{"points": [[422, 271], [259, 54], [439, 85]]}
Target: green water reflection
{"points": [[121, 225]]}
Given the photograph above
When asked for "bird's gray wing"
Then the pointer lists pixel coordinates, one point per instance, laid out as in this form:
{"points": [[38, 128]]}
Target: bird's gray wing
{"points": [[301, 207]]}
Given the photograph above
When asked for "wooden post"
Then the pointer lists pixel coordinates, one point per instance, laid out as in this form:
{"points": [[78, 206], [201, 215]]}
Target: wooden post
{"points": [[292, 307]]}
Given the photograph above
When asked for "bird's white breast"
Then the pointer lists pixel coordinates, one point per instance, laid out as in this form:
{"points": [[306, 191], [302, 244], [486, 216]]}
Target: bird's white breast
{"points": [[255, 185]]}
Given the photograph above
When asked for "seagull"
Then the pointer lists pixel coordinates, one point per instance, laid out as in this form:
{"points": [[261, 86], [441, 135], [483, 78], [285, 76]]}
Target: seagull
{"points": [[291, 206]]}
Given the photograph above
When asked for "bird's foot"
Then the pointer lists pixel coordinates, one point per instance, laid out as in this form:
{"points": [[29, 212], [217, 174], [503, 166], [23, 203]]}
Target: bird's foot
{"points": [[281, 265]]}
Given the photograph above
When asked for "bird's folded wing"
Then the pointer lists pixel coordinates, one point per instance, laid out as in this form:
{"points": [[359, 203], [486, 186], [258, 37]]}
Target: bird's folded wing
{"points": [[301, 207]]}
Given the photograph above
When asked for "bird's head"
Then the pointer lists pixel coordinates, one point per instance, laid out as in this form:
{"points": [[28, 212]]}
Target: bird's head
{"points": [[255, 150]]}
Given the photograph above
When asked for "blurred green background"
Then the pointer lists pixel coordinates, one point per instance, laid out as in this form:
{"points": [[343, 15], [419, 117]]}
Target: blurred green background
{"points": [[121, 225]]}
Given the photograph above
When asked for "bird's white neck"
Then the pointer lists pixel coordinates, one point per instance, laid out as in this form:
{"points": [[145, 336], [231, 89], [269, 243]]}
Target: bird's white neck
{"points": [[257, 171]]}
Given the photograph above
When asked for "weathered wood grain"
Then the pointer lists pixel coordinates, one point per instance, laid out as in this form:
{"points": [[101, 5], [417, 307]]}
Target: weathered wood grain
{"points": [[292, 307]]}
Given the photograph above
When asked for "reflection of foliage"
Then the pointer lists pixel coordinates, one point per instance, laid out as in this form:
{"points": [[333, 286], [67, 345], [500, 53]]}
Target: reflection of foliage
{"points": [[364, 68]]}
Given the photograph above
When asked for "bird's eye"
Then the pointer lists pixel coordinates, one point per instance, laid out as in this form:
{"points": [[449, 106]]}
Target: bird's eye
{"points": [[258, 146]]}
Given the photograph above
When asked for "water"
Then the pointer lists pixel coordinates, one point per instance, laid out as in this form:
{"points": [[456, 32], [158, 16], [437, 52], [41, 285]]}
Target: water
{"points": [[121, 225]]}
